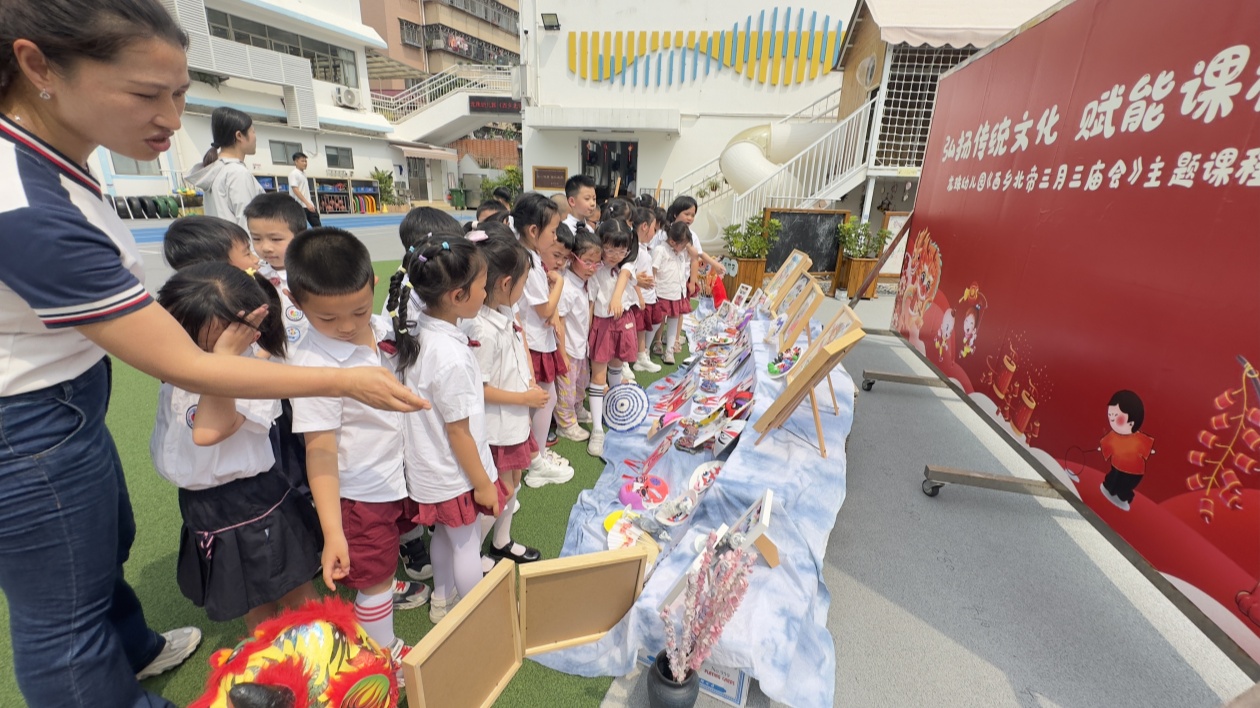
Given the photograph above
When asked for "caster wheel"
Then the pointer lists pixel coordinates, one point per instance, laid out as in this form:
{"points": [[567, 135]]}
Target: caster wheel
{"points": [[868, 384], [931, 488]]}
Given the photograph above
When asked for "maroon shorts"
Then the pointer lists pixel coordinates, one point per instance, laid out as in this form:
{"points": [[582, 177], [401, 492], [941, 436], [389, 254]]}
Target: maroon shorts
{"points": [[653, 314], [671, 308], [614, 339], [547, 366], [460, 511], [372, 531], [514, 457]]}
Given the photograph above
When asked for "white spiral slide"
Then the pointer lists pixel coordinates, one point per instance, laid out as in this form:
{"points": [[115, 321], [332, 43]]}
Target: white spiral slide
{"points": [[751, 157]]}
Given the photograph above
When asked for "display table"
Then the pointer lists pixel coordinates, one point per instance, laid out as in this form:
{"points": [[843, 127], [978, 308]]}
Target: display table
{"points": [[779, 635]]}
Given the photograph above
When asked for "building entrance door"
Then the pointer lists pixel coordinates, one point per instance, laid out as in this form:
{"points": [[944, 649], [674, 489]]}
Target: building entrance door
{"points": [[418, 179]]}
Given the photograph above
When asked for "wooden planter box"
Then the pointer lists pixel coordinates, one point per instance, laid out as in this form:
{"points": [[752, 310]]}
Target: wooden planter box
{"points": [[859, 270], [751, 271]]}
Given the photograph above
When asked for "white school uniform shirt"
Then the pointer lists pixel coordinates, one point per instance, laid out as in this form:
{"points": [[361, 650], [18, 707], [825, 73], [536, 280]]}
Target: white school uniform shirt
{"points": [[603, 283], [245, 453], [671, 272], [299, 185], [575, 308], [294, 320], [504, 365], [369, 441], [541, 336], [643, 264], [447, 375]]}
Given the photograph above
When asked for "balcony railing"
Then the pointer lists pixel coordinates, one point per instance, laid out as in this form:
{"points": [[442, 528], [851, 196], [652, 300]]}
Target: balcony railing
{"points": [[443, 38], [467, 78], [496, 13]]}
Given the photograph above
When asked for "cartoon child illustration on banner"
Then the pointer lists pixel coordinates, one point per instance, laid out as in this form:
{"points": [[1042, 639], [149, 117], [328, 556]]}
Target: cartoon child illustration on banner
{"points": [[972, 305], [1125, 448]]}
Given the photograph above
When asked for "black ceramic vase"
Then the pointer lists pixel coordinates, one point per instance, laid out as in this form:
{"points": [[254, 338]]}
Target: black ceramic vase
{"points": [[665, 692]]}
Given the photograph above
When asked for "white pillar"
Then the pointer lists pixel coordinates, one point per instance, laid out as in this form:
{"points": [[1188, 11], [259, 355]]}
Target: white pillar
{"points": [[866, 200]]}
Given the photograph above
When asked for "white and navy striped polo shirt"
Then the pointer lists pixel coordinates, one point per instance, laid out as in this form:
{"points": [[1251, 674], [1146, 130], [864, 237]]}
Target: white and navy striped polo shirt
{"points": [[66, 259]]}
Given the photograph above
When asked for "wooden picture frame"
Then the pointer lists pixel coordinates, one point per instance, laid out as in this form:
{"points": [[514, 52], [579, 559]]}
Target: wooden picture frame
{"points": [[894, 221], [807, 303], [468, 658], [843, 321], [741, 296], [577, 600], [803, 385], [757, 299], [797, 262]]}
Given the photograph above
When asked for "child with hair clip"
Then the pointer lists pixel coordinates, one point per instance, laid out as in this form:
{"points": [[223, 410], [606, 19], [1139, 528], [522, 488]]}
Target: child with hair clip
{"points": [[508, 383], [422, 222], [648, 318], [669, 266], [535, 219], [575, 313], [250, 543], [450, 472], [613, 338], [201, 239]]}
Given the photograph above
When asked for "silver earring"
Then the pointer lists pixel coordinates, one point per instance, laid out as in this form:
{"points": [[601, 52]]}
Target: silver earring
{"points": [[43, 93]]}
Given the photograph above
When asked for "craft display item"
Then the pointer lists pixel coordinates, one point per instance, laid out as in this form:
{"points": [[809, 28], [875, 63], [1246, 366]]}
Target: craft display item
{"points": [[624, 532], [794, 268], [625, 407], [776, 327], [784, 362], [678, 509], [727, 438], [802, 310], [704, 476], [741, 296], [843, 321], [752, 525], [757, 302], [643, 491]]}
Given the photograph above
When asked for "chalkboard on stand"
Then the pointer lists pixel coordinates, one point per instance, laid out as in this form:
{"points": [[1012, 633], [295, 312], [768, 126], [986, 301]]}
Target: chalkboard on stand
{"points": [[812, 231]]}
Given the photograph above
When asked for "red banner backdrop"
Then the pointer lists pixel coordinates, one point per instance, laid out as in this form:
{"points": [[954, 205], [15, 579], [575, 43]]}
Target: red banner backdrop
{"points": [[1090, 273]]}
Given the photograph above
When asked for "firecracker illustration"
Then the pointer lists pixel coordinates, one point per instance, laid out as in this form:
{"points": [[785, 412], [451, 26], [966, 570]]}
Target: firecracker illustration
{"points": [[1231, 443]]}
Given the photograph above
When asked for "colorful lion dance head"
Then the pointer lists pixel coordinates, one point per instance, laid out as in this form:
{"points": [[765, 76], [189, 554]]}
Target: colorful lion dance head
{"points": [[313, 657], [919, 283]]}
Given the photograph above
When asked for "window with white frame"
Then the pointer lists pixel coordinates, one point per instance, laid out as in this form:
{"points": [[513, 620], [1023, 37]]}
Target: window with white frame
{"points": [[328, 61], [341, 158], [124, 165], [282, 152]]}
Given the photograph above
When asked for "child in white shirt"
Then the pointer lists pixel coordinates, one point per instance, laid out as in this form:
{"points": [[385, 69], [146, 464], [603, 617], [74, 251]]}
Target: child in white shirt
{"points": [[354, 453], [249, 543], [643, 221], [450, 472], [669, 265], [575, 312], [613, 339]]}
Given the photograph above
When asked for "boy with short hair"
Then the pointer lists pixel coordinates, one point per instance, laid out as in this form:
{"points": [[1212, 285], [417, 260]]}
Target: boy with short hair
{"points": [[206, 239], [354, 453], [580, 192]]}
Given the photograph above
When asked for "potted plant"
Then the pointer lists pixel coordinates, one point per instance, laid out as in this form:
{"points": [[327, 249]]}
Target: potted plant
{"points": [[385, 186], [749, 243], [714, 593], [861, 251]]}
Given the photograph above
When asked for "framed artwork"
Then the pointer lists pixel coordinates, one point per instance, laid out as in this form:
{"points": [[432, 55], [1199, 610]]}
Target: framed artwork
{"points": [[845, 320], [893, 221], [806, 305], [797, 262], [752, 524], [741, 296], [757, 299]]}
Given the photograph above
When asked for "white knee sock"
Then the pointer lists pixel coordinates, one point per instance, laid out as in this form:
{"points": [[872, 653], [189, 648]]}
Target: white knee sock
{"points": [[652, 335], [596, 394], [671, 334], [466, 554], [541, 421], [503, 527], [375, 613], [614, 376]]}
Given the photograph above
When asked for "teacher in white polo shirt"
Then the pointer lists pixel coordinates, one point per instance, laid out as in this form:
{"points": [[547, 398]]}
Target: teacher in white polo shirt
{"points": [[75, 75]]}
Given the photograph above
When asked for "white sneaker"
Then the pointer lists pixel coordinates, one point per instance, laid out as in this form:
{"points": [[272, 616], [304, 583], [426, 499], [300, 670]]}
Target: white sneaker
{"points": [[583, 415], [645, 363], [575, 433], [627, 374], [438, 608], [397, 651], [180, 644], [541, 473], [554, 458], [595, 446], [668, 358]]}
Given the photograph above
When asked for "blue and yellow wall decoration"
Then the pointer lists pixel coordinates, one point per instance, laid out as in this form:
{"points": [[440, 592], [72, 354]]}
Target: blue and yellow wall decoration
{"points": [[777, 47]]}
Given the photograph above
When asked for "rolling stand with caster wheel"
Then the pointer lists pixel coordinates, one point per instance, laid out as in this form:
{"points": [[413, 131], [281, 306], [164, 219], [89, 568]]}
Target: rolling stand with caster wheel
{"points": [[870, 377], [936, 477]]}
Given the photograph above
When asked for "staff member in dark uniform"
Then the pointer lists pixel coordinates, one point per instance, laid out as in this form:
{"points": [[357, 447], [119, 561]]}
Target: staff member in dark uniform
{"points": [[75, 75]]}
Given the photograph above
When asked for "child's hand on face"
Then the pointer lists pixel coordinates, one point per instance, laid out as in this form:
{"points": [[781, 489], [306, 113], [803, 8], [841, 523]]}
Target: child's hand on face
{"points": [[236, 339], [488, 497], [335, 559], [535, 397]]}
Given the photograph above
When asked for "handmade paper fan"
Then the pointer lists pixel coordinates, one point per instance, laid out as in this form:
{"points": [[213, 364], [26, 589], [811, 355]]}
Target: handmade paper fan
{"points": [[625, 407]]}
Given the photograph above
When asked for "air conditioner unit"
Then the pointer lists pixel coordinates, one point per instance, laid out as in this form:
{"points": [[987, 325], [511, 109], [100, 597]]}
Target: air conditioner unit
{"points": [[865, 73], [346, 96]]}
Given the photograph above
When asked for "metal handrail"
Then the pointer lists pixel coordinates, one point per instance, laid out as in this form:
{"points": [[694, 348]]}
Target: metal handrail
{"points": [[462, 78], [837, 153]]}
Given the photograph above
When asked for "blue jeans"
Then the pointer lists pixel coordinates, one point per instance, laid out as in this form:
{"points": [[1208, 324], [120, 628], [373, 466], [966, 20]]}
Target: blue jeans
{"points": [[66, 527]]}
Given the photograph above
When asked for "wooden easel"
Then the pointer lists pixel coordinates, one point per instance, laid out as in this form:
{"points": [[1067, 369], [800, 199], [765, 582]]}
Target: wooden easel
{"points": [[800, 387]]}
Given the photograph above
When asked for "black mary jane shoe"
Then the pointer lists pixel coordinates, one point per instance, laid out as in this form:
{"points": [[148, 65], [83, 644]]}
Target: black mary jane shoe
{"points": [[529, 556]]}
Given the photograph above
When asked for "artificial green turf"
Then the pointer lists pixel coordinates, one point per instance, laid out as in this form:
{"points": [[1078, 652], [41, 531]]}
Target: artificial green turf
{"points": [[541, 523]]}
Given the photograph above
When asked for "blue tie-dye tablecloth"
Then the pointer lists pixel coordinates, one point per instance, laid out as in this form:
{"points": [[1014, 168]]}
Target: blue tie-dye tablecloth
{"points": [[779, 635]]}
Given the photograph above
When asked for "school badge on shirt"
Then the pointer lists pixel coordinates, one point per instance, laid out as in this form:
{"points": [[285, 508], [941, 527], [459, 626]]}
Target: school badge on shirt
{"points": [[190, 415]]}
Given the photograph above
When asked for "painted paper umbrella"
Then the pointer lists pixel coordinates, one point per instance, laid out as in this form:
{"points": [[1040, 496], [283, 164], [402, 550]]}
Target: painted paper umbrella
{"points": [[625, 407]]}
